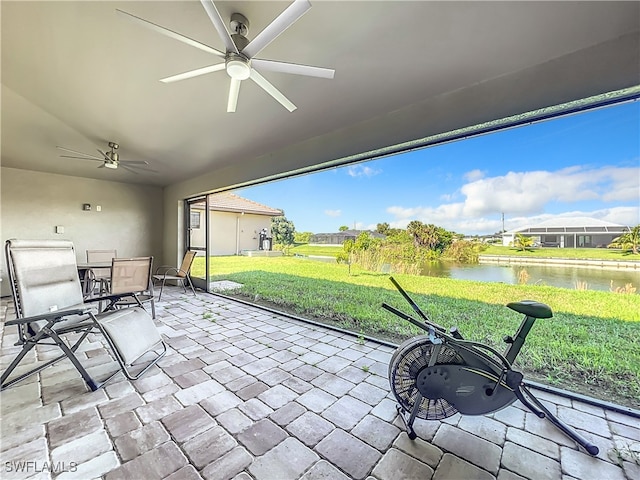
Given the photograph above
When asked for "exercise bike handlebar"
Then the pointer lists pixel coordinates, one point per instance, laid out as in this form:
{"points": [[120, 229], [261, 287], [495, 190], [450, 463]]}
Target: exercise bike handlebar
{"points": [[413, 304], [425, 326]]}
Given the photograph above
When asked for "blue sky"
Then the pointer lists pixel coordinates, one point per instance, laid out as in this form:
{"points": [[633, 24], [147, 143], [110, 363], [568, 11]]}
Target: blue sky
{"points": [[585, 165]]}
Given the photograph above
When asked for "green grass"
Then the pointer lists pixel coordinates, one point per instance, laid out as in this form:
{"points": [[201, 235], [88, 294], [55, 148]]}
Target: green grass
{"points": [[323, 251], [592, 345], [574, 253]]}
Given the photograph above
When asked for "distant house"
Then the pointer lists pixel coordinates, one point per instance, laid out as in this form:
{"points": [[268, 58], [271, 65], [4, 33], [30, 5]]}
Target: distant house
{"points": [[235, 223], [569, 232], [339, 238]]}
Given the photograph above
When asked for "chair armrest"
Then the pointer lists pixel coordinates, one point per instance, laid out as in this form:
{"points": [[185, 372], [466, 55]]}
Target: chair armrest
{"points": [[108, 298], [168, 272], [57, 315], [161, 267]]}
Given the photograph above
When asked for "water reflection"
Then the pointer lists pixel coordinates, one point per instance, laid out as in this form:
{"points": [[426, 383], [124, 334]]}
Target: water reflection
{"points": [[572, 277], [557, 276]]}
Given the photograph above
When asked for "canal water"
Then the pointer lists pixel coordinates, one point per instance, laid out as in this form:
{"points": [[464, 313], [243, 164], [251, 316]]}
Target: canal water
{"points": [[572, 277]]}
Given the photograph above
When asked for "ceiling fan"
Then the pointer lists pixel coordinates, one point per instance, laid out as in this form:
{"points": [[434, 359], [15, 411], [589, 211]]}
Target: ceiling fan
{"points": [[239, 55], [110, 159]]}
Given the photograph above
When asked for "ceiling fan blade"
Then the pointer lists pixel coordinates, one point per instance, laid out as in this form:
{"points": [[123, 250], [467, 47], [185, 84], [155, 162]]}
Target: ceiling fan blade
{"points": [[287, 18], [218, 23], [83, 158], [194, 73], [84, 155], [271, 90], [171, 34], [293, 68], [106, 157], [137, 169], [129, 169], [133, 162], [234, 91]]}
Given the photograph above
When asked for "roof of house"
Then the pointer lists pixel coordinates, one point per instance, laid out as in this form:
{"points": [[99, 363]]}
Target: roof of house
{"points": [[230, 202], [571, 225], [353, 233]]}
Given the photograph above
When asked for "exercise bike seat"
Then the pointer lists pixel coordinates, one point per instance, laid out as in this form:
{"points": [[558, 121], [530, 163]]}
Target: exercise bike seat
{"points": [[531, 308]]}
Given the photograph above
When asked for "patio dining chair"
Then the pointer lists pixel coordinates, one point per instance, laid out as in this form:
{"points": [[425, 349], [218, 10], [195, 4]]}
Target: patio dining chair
{"points": [[100, 276], [180, 274], [130, 281], [50, 310]]}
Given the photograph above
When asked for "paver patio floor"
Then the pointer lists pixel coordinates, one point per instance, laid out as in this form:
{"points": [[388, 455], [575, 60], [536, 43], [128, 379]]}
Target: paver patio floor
{"points": [[248, 394]]}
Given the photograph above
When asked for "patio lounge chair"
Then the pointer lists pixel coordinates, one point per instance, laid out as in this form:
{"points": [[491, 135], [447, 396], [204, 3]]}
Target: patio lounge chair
{"points": [[181, 275], [50, 311]]}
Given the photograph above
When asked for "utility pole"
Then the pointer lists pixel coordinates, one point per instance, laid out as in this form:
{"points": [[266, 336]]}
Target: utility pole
{"points": [[503, 230]]}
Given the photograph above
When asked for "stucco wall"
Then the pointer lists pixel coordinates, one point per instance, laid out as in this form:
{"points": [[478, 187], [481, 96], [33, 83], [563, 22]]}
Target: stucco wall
{"points": [[33, 203], [231, 233]]}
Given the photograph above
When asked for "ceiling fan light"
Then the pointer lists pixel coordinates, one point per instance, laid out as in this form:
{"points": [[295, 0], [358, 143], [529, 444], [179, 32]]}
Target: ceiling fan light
{"points": [[111, 165], [238, 69]]}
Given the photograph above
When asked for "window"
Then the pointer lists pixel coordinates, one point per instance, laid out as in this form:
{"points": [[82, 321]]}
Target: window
{"points": [[195, 220]]}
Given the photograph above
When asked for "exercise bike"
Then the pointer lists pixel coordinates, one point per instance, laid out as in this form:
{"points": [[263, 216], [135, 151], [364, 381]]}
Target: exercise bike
{"points": [[439, 374]]}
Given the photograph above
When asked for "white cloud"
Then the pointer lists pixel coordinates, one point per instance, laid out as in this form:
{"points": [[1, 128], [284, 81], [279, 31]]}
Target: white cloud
{"points": [[524, 197], [474, 175], [333, 213], [529, 192], [362, 171]]}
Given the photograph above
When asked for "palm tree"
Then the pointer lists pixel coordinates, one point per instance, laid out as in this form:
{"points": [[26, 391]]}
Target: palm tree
{"points": [[522, 242], [628, 241]]}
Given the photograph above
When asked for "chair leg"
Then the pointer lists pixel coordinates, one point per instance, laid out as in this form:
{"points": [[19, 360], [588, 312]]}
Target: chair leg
{"points": [[68, 352], [92, 384], [161, 289], [25, 349], [191, 285]]}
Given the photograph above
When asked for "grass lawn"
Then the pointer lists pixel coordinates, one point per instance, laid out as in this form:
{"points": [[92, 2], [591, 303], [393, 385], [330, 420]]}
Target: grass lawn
{"points": [[319, 250], [592, 345], [575, 253]]}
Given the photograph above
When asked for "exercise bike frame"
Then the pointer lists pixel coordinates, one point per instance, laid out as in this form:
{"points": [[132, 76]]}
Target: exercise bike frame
{"points": [[500, 364]]}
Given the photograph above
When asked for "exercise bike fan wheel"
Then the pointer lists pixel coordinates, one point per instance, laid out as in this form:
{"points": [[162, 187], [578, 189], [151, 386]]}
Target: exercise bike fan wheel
{"points": [[408, 361]]}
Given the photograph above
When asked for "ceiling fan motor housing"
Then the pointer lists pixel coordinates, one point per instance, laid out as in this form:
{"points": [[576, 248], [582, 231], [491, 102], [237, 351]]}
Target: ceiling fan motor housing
{"points": [[239, 25]]}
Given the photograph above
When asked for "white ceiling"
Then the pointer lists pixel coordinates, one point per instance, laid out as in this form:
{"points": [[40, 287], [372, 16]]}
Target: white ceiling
{"points": [[78, 75]]}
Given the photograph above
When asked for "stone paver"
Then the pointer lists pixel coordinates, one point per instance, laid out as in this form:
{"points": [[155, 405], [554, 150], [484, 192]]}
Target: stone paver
{"points": [[208, 446], [396, 464], [261, 437], [581, 465], [474, 449], [137, 442], [323, 470], [452, 467], [188, 422], [259, 396], [348, 453], [529, 464], [310, 428], [377, 433], [346, 412], [277, 463], [228, 465]]}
